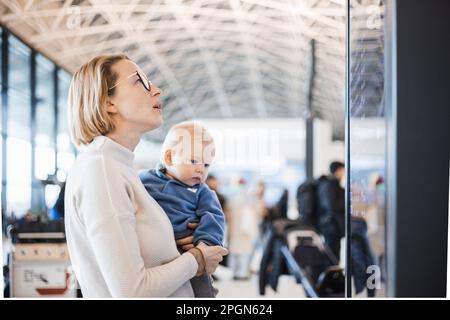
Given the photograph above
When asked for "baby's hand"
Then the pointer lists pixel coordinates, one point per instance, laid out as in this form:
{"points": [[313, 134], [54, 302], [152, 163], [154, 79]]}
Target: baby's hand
{"points": [[186, 243]]}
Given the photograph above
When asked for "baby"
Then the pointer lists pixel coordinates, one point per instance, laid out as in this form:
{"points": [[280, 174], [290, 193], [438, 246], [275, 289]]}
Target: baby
{"points": [[178, 185]]}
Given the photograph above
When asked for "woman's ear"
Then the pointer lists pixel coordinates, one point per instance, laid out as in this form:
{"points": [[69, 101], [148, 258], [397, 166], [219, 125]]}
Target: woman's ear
{"points": [[168, 158], [110, 107]]}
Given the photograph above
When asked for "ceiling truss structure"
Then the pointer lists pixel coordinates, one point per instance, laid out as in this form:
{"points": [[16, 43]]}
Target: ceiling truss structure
{"points": [[212, 58]]}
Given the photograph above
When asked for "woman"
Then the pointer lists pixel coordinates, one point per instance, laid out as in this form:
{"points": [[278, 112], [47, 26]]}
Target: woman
{"points": [[120, 241]]}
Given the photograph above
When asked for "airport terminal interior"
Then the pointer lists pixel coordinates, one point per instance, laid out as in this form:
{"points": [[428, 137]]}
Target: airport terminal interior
{"points": [[331, 137]]}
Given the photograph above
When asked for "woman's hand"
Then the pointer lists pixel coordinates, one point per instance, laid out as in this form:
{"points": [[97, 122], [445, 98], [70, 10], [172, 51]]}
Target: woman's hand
{"points": [[186, 242], [212, 256]]}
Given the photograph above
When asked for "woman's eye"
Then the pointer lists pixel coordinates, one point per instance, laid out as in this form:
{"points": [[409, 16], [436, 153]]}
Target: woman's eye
{"points": [[206, 165], [194, 161]]}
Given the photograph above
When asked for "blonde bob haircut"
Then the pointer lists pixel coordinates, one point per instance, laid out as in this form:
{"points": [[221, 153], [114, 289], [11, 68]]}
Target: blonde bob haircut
{"points": [[86, 102]]}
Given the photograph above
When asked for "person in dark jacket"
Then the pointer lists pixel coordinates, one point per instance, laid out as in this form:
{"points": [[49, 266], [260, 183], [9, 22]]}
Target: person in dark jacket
{"points": [[331, 207], [362, 257]]}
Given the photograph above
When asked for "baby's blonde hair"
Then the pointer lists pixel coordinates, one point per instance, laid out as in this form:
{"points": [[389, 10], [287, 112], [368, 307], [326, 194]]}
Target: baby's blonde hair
{"points": [[88, 92], [181, 135]]}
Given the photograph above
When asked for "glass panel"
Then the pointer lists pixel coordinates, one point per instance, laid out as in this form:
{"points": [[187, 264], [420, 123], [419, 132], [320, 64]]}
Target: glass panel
{"points": [[44, 94], [19, 114], [45, 119], [64, 146], [18, 192], [1, 172], [64, 79], [1, 118], [18, 157], [45, 162], [1, 61], [19, 66], [367, 148]]}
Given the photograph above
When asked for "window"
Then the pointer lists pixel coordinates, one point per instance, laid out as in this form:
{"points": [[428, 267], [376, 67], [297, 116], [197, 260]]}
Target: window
{"points": [[18, 177], [45, 119], [1, 115], [65, 150], [41, 141], [18, 157], [367, 150], [19, 66]]}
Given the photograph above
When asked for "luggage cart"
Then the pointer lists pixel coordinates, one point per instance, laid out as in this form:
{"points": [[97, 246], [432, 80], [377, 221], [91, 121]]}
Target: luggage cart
{"points": [[39, 265], [313, 256], [305, 256]]}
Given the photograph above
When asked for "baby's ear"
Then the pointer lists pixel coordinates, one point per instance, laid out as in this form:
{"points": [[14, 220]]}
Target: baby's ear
{"points": [[168, 157]]}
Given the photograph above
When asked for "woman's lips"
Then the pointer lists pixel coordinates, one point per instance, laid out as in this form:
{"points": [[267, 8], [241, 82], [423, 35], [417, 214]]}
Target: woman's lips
{"points": [[158, 107]]}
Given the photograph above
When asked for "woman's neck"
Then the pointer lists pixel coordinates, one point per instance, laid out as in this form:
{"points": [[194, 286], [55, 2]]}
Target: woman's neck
{"points": [[126, 138]]}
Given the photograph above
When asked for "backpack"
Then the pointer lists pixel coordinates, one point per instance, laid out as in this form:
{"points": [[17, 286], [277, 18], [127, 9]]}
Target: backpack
{"points": [[307, 202]]}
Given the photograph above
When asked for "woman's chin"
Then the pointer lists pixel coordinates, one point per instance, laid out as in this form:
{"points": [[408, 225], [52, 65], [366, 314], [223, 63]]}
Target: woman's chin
{"points": [[157, 119], [154, 124]]}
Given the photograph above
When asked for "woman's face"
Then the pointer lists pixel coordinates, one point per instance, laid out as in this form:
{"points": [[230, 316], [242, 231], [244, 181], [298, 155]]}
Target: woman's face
{"points": [[132, 105]]}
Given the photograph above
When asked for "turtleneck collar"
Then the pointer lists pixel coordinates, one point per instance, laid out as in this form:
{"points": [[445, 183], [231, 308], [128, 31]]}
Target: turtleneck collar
{"points": [[114, 149]]}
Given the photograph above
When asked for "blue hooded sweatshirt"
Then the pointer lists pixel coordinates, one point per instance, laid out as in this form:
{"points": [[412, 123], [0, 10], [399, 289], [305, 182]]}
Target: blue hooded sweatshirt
{"points": [[184, 204]]}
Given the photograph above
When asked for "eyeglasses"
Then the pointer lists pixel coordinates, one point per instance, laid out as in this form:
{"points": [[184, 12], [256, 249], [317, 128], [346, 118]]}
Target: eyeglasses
{"points": [[142, 79]]}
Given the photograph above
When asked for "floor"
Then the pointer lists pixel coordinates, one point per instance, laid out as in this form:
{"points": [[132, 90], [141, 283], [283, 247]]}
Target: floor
{"points": [[229, 288], [287, 287]]}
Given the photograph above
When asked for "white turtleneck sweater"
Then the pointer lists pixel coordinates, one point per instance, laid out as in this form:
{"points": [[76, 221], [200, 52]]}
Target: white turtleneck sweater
{"points": [[121, 243]]}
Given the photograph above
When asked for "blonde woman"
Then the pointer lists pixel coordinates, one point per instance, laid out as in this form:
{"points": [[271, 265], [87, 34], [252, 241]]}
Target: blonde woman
{"points": [[121, 243]]}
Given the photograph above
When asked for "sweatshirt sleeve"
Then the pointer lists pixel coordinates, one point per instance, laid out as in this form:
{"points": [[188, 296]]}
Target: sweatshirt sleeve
{"points": [[211, 225], [104, 203]]}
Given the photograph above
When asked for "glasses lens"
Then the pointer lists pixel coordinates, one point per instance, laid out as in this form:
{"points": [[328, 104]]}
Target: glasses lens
{"points": [[145, 82]]}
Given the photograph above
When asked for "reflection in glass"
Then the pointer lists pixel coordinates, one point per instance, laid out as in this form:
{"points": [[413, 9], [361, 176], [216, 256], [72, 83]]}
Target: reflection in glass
{"points": [[367, 148]]}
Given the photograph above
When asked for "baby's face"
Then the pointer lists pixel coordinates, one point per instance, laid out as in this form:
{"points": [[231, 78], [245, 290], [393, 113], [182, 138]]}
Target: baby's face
{"points": [[191, 166]]}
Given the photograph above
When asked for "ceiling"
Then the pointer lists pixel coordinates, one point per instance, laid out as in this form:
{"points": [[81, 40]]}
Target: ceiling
{"points": [[211, 58]]}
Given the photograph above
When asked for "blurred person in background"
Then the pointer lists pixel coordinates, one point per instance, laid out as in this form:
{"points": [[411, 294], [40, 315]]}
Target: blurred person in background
{"points": [[361, 253], [243, 230], [258, 202], [331, 207]]}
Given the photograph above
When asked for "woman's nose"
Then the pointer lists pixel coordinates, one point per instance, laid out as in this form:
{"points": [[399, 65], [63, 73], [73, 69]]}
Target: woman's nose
{"points": [[155, 91]]}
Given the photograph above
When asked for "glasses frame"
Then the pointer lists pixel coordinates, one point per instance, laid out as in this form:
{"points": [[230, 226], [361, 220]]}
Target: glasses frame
{"points": [[141, 80]]}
